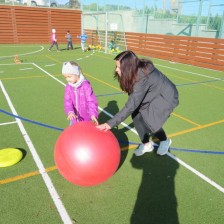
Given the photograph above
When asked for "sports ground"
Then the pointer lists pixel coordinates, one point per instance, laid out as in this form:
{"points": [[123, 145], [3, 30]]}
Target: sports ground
{"points": [[185, 186]]}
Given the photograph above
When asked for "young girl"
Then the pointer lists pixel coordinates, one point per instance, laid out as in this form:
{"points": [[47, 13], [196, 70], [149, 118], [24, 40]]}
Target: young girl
{"points": [[80, 102], [53, 40]]}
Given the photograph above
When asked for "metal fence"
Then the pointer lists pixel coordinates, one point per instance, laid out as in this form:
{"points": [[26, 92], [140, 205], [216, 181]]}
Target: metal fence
{"points": [[200, 18]]}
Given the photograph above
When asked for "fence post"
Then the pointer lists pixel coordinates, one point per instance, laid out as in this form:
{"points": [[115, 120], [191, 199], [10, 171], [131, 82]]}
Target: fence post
{"points": [[199, 17], [221, 33], [106, 32]]}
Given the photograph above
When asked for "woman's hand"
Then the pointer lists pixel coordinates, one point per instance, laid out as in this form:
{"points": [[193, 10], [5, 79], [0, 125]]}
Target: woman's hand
{"points": [[103, 127]]}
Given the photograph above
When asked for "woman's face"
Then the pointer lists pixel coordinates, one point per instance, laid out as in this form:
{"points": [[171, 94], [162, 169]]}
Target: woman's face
{"points": [[118, 69]]}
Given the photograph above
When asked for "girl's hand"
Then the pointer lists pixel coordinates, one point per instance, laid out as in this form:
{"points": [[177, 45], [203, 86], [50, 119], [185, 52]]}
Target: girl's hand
{"points": [[71, 116], [104, 127], [93, 118]]}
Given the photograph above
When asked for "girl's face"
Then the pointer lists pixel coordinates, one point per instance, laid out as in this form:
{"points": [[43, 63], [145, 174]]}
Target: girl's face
{"points": [[71, 78], [118, 69]]}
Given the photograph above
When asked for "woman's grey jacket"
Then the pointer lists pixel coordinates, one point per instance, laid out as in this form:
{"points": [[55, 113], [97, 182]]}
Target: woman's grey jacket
{"points": [[154, 96]]}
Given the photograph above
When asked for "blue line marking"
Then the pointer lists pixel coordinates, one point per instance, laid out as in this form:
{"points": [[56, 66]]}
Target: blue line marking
{"points": [[120, 141], [195, 83], [197, 151], [31, 121], [178, 149], [110, 94]]}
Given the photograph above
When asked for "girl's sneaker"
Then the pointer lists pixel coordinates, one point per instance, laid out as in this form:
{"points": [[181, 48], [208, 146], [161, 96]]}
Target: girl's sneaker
{"points": [[143, 148], [164, 147]]}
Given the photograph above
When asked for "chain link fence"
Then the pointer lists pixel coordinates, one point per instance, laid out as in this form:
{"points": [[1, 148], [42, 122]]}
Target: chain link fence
{"points": [[200, 18]]}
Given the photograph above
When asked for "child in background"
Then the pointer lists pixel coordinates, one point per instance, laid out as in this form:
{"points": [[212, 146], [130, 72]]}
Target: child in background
{"points": [[83, 38], [53, 40], [80, 102], [69, 40]]}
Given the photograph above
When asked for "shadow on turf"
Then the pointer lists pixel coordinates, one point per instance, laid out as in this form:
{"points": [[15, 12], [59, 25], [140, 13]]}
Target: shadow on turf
{"points": [[23, 152], [66, 49], [119, 133], [156, 201]]}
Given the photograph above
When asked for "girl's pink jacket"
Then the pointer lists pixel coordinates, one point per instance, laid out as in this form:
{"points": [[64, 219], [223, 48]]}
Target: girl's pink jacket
{"points": [[53, 37], [81, 101]]}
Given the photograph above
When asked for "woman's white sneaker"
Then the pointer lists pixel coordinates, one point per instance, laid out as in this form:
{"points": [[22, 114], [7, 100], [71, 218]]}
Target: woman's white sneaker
{"points": [[143, 148], [164, 147]]}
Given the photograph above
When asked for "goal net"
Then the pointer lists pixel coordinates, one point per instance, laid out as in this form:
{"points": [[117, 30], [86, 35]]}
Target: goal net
{"points": [[105, 31]]}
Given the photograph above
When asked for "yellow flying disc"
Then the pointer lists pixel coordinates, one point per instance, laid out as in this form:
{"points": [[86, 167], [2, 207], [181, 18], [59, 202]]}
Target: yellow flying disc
{"points": [[10, 156]]}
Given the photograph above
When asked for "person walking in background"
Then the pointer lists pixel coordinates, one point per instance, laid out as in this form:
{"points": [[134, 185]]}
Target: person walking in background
{"points": [[83, 38], [80, 102], [151, 99], [69, 40], [53, 40]]}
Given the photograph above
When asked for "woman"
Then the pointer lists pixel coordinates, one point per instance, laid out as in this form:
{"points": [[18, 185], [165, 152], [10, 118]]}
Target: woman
{"points": [[151, 99]]}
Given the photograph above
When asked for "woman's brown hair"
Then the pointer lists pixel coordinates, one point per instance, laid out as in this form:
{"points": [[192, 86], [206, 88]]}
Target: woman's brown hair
{"points": [[129, 67]]}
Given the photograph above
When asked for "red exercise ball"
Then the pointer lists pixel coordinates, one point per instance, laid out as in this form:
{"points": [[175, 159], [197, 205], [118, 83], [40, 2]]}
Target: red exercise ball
{"points": [[86, 156]]}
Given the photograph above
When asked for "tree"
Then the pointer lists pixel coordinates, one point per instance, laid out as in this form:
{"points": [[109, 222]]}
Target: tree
{"points": [[74, 4]]}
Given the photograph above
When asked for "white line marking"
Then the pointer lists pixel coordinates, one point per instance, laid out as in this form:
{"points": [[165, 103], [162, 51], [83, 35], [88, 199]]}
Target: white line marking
{"points": [[202, 176], [23, 69], [193, 73], [33, 52], [49, 65], [49, 74], [13, 122], [25, 63], [54, 195]]}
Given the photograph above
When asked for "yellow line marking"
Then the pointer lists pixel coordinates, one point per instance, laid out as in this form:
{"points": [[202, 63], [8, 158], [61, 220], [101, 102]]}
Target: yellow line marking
{"points": [[22, 77], [185, 119], [53, 59], [103, 82], [196, 128], [23, 176], [27, 77], [35, 173]]}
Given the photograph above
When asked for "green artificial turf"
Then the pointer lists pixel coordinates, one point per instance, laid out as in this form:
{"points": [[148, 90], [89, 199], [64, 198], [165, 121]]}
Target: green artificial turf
{"points": [[145, 190]]}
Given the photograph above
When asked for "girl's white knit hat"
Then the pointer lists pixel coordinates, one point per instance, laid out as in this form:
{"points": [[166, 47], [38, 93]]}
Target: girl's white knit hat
{"points": [[69, 69]]}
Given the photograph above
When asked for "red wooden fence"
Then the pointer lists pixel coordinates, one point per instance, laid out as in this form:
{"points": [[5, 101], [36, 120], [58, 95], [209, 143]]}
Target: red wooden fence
{"points": [[202, 52], [22, 25]]}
